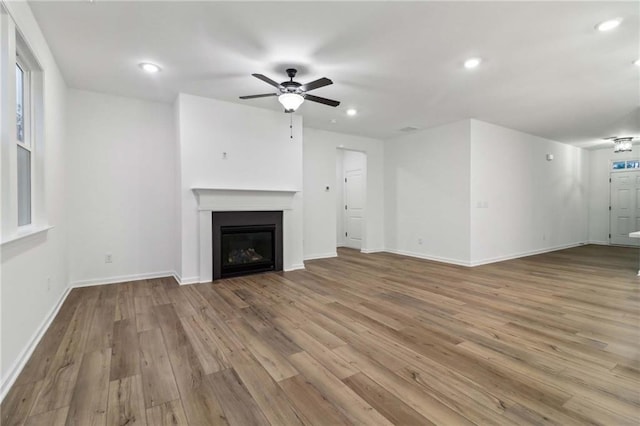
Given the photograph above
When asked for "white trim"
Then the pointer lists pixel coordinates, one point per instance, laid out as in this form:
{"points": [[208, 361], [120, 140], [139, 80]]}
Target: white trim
{"points": [[25, 232], [485, 261], [525, 254], [230, 199], [600, 243], [369, 251], [15, 370], [429, 257], [295, 267], [207, 190], [184, 281], [122, 279], [190, 280], [321, 256]]}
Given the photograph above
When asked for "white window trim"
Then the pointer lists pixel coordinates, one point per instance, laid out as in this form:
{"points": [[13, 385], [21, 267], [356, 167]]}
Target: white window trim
{"points": [[11, 41]]}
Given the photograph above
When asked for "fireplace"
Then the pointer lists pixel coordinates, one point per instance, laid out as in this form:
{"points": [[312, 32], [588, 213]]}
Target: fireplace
{"points": [[246, 242]]}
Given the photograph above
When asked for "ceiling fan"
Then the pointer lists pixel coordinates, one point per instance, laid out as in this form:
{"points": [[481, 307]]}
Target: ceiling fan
{"points": [[622, 143], [291, 94]]}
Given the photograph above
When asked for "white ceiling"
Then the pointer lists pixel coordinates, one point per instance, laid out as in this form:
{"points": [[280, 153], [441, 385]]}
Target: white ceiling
{"points": [[546, 70]]}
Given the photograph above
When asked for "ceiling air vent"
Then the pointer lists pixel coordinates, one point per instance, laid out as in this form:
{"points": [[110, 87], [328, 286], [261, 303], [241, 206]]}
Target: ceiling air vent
{"points": [[409, 129]]}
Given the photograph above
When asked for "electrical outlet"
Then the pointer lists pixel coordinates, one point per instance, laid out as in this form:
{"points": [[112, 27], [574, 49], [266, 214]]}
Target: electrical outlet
{"points": [[48, 283], [108, 258], [420, 241]]}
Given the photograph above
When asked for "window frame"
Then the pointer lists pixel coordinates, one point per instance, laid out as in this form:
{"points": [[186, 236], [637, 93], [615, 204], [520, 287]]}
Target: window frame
{"points": [[15, 46], [626, 168]]}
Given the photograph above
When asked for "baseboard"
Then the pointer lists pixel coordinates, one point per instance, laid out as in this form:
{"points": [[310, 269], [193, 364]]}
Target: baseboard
{"points": [[321, 256], [524, 254], [295, 267], [429, 257], [490, 260], [26, 353], [122, 279], [185, 281], [369, 251], [599, 243]]}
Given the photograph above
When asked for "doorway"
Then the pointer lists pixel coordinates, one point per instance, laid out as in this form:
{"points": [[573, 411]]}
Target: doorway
{"points": [[351, 174], [624, 207]]}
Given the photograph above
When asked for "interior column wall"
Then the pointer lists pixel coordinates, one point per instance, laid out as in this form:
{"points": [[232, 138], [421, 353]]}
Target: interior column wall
{"points": [[320, 216], [227, 145]]}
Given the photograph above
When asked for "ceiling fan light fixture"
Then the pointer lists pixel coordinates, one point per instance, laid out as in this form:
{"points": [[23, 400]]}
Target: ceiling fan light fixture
{"points": [[290, 101]]}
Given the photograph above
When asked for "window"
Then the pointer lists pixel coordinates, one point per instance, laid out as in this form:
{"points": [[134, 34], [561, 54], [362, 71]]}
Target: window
{"points": [[22, 203], [23, 140], [623, 165]]}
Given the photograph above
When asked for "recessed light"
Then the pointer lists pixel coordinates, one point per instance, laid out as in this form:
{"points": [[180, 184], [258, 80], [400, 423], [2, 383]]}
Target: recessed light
{"points": [[352, 112], [636, 62], [149, 67], [608, 25], [472, 63]]}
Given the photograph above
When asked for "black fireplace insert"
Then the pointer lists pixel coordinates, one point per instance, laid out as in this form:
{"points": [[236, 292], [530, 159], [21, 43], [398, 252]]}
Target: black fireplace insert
{"points": [[246, 242]]}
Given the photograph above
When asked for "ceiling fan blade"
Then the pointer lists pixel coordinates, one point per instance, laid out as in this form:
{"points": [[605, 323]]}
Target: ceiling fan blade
{"points": [[267, 80], [258, 96], [320, 100], [321, 82]]}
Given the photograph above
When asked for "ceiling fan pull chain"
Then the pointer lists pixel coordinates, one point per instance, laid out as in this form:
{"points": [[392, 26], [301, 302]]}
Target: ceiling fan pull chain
{"points": [[291, 125]]}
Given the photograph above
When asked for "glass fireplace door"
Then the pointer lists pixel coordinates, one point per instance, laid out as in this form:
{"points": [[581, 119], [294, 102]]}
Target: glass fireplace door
{"points": [[247, 249]]}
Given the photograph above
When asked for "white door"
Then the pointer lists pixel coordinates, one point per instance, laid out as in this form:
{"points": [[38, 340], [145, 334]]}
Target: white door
{"points": [[625, 211], [354, 207]]}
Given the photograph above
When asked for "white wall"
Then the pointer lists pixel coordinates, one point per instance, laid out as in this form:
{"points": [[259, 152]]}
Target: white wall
{"points": [[260, 155], [427, 193], [320, 162], [599, 171], [121, 188], [520, 202], [34, 273]]}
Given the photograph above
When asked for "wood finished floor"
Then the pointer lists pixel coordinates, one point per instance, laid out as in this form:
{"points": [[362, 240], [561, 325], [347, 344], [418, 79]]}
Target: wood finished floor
{"points": [[360, 339]]}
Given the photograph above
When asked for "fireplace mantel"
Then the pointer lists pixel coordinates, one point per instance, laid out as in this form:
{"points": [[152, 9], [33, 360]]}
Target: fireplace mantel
{"points": [[245, 199], [231, 199]]}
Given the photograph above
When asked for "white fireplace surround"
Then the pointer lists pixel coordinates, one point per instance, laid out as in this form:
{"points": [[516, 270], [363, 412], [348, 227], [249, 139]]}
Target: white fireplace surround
{"points": [[231, 199]]}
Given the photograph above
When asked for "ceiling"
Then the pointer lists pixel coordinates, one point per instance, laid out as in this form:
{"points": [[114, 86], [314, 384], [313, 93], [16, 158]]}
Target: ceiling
{"points": [[545, 71]]}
